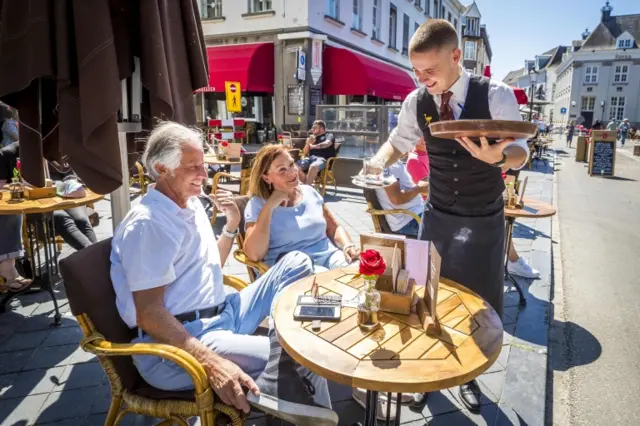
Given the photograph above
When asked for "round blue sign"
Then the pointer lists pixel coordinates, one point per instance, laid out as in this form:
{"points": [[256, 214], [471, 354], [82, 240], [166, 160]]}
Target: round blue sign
{"points": [[302, 59], [563, 110]]}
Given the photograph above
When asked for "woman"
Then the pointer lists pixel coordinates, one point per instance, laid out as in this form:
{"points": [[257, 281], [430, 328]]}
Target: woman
{"points": [[418, 163], [570, 129], [283, 216]]}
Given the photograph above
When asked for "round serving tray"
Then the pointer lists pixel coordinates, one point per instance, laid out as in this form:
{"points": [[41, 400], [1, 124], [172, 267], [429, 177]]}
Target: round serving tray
{"points": [[491, 129], [387, 181]]}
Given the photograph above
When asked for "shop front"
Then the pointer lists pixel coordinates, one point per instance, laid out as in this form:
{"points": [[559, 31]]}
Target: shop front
{"points": [[252, 66]]}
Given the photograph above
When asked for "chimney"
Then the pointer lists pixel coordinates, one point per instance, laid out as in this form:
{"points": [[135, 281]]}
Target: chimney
{"points": [[606, 12]]}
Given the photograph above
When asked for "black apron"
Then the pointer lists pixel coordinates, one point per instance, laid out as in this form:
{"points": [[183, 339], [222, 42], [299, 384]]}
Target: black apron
{"points": [[464, 216]]}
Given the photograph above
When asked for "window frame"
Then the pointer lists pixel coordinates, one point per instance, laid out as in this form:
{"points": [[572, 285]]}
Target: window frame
{"points": [[406, 33], [333, 9], [393, 25], [621, 76], [591, 74], [356, 15], [466, 44], [617, 106], [588, 103], [253, 3]]}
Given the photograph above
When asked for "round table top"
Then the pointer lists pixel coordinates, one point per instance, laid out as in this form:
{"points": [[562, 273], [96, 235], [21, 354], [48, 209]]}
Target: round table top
{"points": [[533, 209], [213, 159], [399, 356], [45, 205], [491, 129]]}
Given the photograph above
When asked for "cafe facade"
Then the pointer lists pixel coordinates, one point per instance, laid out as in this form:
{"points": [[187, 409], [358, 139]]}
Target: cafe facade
{"points": [[298, 56]]}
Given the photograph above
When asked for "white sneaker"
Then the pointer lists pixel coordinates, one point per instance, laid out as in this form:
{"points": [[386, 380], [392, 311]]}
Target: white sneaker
{"points": [[360, 395], [522, 269]]}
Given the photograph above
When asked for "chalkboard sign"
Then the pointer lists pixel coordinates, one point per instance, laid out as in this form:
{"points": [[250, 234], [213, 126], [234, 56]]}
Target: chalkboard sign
{"points": [[602, 159]]}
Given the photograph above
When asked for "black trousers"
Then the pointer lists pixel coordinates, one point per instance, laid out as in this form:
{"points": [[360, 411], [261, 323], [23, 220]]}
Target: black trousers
{"points": [[74, 227], [472, 250]]}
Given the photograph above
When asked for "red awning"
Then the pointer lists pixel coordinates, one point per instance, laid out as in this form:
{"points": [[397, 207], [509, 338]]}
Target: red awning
{"points": [[349, 73], [521, 96], [249, 64]]}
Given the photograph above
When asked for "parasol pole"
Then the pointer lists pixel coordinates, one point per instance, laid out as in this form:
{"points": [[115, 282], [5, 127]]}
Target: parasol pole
{"points": [[129, 122]]}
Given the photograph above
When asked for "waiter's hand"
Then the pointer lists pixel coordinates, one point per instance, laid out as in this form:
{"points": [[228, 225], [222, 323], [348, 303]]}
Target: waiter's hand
{"points": [[490, 154]]}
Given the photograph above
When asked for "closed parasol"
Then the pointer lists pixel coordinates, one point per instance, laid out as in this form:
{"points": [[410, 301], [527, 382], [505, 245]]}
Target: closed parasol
{"points": [[61, 66]]}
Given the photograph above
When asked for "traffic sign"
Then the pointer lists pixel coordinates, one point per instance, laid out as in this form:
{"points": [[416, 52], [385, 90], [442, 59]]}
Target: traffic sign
{"points": [[233, 94], [563, 110]]}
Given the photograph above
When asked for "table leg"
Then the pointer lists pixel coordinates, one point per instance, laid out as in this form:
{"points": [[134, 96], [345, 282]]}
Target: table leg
{"points": [[510, 221], [40, 228], [398, 403]]}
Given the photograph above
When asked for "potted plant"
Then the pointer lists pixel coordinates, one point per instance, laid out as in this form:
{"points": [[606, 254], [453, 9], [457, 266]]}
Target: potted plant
{"points": [[372, 265]]}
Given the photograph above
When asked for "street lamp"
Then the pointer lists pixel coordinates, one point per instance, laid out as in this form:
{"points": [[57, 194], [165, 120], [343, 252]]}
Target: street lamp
{"points": [[602, 105], [533, 76]]}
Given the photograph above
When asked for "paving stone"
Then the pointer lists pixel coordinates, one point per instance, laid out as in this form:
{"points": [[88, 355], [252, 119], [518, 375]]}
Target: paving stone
{"points": [[507, 335], [32, 382], [74, 403], [67, 422], [441, 402], [350, 412], [486, 417], [84, 375], [44, 322], [20, 411], [22, 341], [510, 314], [494, 382], [339, 392], [48, 357], [101, 399], [64, 336], [532, 327], [12, 362]]}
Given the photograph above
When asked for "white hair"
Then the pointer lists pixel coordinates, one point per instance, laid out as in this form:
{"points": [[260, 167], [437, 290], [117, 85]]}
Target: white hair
{"points": [[165, 145]]}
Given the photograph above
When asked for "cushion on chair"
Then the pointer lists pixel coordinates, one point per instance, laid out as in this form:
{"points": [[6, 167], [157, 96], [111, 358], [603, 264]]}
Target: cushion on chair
{"points": [[87, 281]]}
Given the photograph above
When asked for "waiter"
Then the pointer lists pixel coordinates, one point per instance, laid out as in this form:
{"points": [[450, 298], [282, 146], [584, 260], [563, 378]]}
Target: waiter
{"points": [[465, 214]]}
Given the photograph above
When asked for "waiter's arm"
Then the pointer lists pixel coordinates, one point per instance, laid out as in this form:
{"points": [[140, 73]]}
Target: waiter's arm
{"points": [[503, 105], [406, 134]]}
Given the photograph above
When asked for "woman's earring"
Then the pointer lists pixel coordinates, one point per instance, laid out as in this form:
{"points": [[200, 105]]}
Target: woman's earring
{"points": [[270, 187]]}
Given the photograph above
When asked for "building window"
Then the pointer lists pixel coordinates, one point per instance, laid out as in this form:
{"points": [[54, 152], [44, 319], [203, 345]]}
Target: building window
{"points": [[357, 15], [256, 6], [624, 44], [620, 75], [210, 9], [591, 74], [455, 23], [333, 9], [443, 12], [588, 103], [416, 26], [470, 50], [435, 8], [406, 23], [393, 26], [375, 31], [449, 16], [419, 3], [616, 108], [426, 7], [589, 89]]}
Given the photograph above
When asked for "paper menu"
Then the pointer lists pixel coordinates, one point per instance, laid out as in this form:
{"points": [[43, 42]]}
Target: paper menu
{"points": [[417, 260]]}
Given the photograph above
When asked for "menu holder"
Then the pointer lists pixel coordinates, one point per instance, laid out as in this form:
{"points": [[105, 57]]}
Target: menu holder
{"points": [[427, 306], [521, 189], [39, 193], [602, 158]]}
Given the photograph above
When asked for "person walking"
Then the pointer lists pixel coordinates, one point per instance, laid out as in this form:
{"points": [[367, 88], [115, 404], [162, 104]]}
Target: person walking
{"points": [[624, 130], [570, 130]]}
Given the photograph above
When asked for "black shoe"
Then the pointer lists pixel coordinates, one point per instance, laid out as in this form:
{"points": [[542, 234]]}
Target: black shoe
{"points": [[470, 396], [287, 395]]}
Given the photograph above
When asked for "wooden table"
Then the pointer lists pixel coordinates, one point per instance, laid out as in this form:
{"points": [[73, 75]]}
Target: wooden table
{"points": [[399, 356], [533, 209], [214, 160], [40, 229]]}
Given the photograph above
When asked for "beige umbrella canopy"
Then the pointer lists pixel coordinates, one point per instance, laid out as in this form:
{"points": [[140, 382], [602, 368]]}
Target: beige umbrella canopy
{"points": [[61, 66]]}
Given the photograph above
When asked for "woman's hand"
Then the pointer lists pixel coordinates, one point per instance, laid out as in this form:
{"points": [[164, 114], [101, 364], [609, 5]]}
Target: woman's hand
{"points": [[277, 198], [224, 202], [351, 253]]}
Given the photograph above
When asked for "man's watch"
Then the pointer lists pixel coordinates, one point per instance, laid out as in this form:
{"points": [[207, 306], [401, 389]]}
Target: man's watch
{"points": [[228, 234], [501, 162]]}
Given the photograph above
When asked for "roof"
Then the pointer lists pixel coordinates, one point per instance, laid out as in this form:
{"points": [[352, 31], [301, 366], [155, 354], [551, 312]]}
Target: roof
{"points": [[512, 75], [605, 34], [556, 57], [487, 45], [549, 52]]}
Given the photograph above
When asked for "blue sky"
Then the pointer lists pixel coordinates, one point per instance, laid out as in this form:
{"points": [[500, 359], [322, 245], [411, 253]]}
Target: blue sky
{"points": [[520, 29]]}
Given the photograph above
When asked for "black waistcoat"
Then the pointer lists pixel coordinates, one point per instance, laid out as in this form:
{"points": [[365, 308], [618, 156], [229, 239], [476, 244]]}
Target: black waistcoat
{"points": [[458, 183]]}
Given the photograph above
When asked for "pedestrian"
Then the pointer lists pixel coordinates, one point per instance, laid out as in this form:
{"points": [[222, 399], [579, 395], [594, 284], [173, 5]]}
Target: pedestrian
{"points": [[597, 125], [570, 129], [464, 217], [624, 130]]}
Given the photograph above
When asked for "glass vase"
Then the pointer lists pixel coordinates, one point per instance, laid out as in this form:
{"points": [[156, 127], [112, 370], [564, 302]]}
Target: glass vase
{"points": [[368, 305], [16, 190]]}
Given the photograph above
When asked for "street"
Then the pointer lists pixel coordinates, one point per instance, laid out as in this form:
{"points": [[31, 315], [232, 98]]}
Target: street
{"points": [[598, 369]]}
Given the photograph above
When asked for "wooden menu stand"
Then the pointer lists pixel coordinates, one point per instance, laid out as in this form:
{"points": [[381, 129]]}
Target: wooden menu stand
{"points": [[426, 306]]}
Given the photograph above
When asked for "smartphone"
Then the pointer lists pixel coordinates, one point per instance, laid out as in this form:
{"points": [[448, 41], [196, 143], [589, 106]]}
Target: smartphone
{"points": [[317, 312]]}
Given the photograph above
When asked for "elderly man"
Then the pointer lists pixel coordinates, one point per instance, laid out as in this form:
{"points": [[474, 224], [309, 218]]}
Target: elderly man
{"points": [[167, 275]]}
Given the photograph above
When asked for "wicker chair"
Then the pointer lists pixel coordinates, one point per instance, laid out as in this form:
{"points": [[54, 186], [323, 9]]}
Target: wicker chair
{"points": [[92, 301], [380, 223], [245, 174], [253, 268], [326, 177]]}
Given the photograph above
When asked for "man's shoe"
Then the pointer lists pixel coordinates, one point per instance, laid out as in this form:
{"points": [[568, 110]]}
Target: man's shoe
{"points": [[287, 395], [470, 396], [418, 399], [522, 269], [360, 396]]}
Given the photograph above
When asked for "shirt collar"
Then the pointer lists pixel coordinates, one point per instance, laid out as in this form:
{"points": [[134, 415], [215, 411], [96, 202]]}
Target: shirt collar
{"points": [[459, 88], [154, 196]]}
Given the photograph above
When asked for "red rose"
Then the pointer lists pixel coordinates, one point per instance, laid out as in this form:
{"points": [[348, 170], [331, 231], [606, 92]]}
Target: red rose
{"points": [[372, 263], [18, 164], [224, 144]]}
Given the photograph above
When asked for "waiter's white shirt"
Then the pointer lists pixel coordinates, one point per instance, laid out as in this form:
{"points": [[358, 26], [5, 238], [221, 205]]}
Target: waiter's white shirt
{"points": [[502, 105]]}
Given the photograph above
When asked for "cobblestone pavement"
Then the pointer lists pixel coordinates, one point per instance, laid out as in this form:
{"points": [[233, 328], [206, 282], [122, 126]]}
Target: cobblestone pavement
{"points": [[46, 379]]}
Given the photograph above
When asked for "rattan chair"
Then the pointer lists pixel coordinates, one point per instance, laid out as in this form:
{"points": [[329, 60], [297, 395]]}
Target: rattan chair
{"points": [[91, 296], [245, 174], [253, 268], [380, 223], [326, 177]]}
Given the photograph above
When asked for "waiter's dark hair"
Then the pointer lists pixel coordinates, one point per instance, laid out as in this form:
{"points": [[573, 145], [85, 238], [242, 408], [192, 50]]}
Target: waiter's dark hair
{"points": [[434, 34], [320, 123]]}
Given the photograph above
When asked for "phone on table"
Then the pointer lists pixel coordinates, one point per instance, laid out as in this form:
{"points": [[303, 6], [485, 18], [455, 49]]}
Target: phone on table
{"points": [[317, 312]]}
